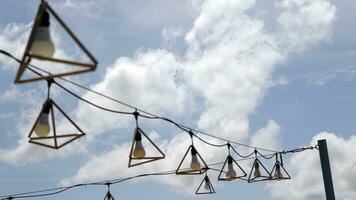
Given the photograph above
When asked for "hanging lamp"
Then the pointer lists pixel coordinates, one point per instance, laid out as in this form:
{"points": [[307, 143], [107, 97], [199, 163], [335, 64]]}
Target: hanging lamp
{"points": [[138, 153], [40, 47], [230, 173], [45, 132]]}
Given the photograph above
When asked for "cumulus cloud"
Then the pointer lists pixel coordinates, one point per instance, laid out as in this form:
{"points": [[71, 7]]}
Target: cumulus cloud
{"points": [[229, 63], [13, 38], [268, 136], [227, 69], [307, 178], [148, 80]]}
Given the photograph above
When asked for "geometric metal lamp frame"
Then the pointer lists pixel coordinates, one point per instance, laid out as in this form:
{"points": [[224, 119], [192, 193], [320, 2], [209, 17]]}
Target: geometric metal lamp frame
{"points": [[37, 139], [206, 180], [230, 159], [26, 59], [258, 163], [279, 164], [225, 178], [189, 171], [144, 159]]}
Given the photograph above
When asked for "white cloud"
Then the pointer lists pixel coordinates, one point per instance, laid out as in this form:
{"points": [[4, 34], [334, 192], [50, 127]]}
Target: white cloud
{"points": [[305, 169], [13, 38], [305, 22], [229, 63], [149, 80], [268, 136]]}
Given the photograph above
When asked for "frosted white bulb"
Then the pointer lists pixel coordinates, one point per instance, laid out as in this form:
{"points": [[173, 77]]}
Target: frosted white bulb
{"points": [[43, 44], [278, 174], [139, 151], [257, 172], [195, 164], [42, 127], [231, 173], [207, 185]]}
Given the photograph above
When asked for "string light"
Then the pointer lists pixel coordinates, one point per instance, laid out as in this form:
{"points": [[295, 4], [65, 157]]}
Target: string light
{"points": [[54, 191], [197, 164]]}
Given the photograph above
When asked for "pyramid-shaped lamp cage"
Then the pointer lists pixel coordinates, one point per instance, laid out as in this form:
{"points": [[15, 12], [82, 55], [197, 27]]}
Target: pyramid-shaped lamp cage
{"points": [[258, 172], [278, 171], [40, 47], [234, 170], [137, 153], [205, 187], [40, 132], [108, 195], [197, 164]]}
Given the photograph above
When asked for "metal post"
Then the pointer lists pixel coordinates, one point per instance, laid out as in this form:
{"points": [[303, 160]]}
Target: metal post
{"points": [[325, 166]]}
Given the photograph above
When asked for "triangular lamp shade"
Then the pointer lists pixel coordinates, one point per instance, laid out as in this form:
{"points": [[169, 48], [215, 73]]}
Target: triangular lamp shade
{"points": [[258, 172], [278, 172], [231, 170], [140, 155], [49, 131], [192, 163], [40, 48], [205, 187]]}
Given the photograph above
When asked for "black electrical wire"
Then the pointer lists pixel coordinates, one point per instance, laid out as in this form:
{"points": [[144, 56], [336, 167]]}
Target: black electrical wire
{"points": [[54, 191]]}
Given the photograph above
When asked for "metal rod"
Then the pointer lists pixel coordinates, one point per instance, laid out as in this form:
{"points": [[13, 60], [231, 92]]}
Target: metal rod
{"points": [[325, 166]]}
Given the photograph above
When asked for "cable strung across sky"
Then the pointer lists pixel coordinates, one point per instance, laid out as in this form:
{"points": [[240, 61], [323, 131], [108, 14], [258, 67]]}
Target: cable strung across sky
{"points": [[55, 191], [196, 168]]}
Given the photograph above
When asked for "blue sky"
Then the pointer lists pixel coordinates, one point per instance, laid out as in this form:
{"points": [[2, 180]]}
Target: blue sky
{"points": [[275, 74]]}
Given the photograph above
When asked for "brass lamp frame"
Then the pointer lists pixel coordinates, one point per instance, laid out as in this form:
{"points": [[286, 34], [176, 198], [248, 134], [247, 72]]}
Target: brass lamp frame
{"points": [[37, 140], [144, 159], [262, 177], [211, 188], [202, 170], [222, 178], [280, 163], [26, 59], [108, 195]]}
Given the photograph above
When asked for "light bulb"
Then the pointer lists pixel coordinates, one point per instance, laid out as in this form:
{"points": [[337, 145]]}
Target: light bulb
{"points": [[195, 164], [207, 185], [257, 172], [278, 174], [42, 43], [231, 173], [139, 151], [42, 127]]}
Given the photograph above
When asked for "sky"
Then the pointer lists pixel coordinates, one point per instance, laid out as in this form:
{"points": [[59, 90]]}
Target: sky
{"points": [[275, 74]]}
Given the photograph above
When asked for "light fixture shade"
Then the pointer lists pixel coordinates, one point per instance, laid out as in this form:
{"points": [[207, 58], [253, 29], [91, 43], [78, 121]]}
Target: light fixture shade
{"points": [[239, 172], [40, 32], [205, 187], [183, 170], [53, 139], [264, 174], [278, 172], [134, 161]]}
